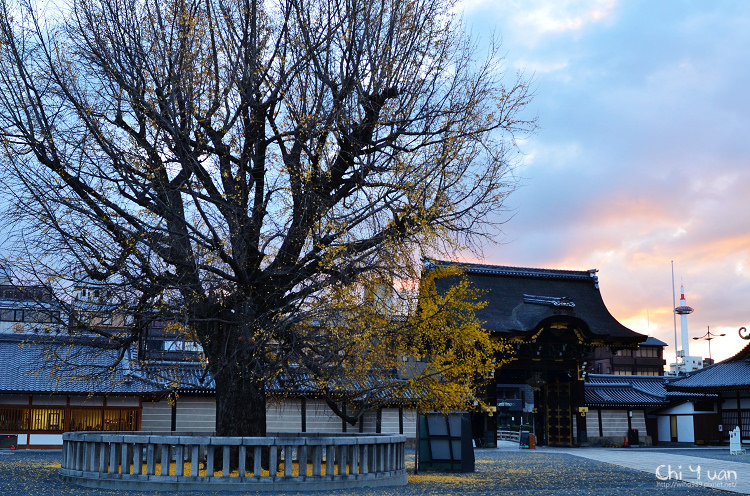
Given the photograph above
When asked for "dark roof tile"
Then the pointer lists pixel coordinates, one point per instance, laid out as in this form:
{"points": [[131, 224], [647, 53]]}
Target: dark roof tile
{"points": [[28, 368], [519, 299], [734, 375]]}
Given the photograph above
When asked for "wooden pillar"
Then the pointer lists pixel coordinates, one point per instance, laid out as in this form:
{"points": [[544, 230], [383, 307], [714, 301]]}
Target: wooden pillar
{"points": [[173, 401], [303, 414], [579, 397], [739, 414], [66, 413], [630, 420]]}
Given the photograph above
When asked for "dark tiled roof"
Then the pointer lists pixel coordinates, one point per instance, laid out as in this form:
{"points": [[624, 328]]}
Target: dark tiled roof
{"points": [[28, 368], [519, 299], [623, 390], [620, 396], [652, 341], [722, 376], [732, 374], [631, 390], [192, 378], [651, 384]]}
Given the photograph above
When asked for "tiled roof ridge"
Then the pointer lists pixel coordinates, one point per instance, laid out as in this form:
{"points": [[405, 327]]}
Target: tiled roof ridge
{"points": [[654, 378], [541, 273], [629, 384], [92, 340], [646, 392]]}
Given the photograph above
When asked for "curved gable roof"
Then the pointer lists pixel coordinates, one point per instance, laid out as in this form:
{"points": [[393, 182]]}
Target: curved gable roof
{"points": [[519, 299]]}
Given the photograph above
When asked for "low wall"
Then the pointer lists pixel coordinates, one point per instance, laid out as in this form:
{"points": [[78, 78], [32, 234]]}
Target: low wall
{"points": [[133, 461]]}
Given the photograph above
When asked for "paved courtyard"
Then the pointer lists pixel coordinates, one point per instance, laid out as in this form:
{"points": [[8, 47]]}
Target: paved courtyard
{"points": [[507, 471]]}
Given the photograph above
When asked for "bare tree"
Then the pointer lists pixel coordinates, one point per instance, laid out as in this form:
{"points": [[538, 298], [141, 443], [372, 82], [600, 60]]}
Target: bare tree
{"points": [[253, 167]]}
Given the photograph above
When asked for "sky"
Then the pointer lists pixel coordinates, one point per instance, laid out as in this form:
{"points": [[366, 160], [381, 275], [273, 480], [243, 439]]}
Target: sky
{"points": [[642, 158]]}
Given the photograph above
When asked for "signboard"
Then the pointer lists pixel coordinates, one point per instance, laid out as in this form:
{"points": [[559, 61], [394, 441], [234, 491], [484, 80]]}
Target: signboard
{"points": [[445, 443]]}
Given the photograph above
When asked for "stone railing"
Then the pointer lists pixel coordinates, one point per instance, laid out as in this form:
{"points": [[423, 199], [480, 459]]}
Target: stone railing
{"points": [[183, 461]]}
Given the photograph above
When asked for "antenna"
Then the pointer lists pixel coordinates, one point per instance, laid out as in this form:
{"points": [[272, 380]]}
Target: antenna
{"points": [[674, 314]]}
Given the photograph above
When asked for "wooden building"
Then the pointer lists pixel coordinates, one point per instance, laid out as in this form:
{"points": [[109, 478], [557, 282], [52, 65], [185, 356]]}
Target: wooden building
{"points": [[553, 319], [38, 401], [726, 403]]}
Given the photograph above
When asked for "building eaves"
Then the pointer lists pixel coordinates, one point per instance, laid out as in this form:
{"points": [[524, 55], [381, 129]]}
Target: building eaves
{"points": [[28, 367], [503, 270], [722, 376]]}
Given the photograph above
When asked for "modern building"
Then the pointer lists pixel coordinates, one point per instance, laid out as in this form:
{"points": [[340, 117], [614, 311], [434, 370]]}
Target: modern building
{"points": [[28, 309], [647, 359]]}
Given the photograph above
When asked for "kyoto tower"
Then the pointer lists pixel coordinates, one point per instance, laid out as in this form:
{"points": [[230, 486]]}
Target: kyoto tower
{"points": [[683, 310]]}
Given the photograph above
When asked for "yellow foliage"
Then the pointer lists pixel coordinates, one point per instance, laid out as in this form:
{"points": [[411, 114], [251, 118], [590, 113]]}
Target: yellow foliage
{"points": [[435, 357]]}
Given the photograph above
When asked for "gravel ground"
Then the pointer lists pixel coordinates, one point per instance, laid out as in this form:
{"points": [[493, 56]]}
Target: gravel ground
{"points": [[506, 472]]}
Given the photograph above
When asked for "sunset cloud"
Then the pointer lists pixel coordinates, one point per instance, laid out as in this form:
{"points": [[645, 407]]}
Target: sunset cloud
{"points": [[643, 156]]}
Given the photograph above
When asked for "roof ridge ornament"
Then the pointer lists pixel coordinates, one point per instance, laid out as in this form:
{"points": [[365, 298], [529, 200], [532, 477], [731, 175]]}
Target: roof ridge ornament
{"points": [[594, 277], [555, 301]]}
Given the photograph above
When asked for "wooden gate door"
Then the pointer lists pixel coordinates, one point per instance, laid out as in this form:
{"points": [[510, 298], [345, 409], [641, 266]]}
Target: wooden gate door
{"points": [[559, 421]]}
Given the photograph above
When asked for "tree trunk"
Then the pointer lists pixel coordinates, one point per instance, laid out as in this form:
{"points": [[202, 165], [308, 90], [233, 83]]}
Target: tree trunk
{"points": [[240, 402], [240, 411]]}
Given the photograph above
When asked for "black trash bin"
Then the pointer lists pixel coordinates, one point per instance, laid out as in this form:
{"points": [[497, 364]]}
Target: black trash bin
{"points": [[633, 437], [524, 439]]}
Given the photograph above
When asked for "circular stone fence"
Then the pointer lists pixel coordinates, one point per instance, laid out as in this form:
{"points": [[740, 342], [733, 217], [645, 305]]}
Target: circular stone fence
{"points": [[154, 461]]}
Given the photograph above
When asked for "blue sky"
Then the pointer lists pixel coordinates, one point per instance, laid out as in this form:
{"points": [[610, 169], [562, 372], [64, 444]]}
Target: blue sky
{"points": [[642, 156]]}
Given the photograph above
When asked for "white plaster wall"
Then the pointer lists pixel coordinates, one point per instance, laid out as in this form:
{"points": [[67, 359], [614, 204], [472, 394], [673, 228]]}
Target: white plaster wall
{"points": [[614, 423], [196, 414], [320, 418], [369, 421], [193, 415], [123, 401], [684, 408], [284, 416], [638, 421], [663, 427], [592, 423], [685, 430], [43, 440], [156, 416], [390, 422]]}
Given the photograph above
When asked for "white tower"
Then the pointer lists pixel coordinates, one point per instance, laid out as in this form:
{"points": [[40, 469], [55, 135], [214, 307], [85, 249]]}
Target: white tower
{"points": [[683, 310], [685, 362]]}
